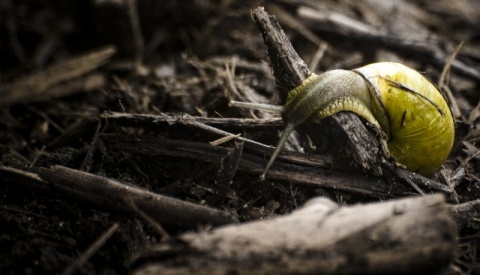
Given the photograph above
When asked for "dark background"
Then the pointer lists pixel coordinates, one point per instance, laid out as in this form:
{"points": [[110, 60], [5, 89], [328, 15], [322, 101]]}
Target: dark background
{"points": [[179, 59]]}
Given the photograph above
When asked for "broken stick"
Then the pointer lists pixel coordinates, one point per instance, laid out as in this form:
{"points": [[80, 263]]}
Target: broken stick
{"points": [[399, 236]]}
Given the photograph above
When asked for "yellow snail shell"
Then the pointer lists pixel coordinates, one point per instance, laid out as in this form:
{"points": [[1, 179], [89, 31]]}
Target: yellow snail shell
{"points": [[399, 100]]}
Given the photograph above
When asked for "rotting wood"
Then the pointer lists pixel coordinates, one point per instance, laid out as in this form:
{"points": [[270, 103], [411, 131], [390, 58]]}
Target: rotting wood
{"points": [[309, 169], [105, 193], [298, 168], [289, 69], [251, 163], [399, 236]]}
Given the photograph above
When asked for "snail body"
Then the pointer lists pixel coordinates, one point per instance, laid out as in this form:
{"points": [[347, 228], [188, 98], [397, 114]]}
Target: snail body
{"points": [[407, 107]]}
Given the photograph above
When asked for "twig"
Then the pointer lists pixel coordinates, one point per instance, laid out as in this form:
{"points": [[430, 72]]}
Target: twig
{"points": [[84, 124], [159, 121], [154, 224], [87, 161], [292, 166], [104, 192], [288, 68], [223, 140], [448, 65], [443, 81], [94, 247], [151, 120]]}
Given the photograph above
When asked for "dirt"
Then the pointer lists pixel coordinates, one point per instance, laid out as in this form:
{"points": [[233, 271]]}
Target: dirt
{"points": [[189, 60]]}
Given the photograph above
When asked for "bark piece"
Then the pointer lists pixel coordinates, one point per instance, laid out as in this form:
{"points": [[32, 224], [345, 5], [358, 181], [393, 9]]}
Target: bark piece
{"points": [[399, 236]]}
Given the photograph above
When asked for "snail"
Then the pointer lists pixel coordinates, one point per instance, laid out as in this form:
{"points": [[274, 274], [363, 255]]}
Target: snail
{"points": [[405, 105]]}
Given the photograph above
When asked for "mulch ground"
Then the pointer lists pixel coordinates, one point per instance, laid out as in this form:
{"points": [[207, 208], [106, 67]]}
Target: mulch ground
{"points": [[136, 92]]}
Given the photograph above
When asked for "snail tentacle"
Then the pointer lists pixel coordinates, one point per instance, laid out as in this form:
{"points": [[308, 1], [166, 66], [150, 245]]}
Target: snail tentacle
{"points": [[257, 106], [281, 143]]}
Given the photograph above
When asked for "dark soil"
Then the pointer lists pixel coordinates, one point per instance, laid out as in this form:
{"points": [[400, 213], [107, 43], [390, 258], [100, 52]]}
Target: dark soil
{"points": [[177, 61]]}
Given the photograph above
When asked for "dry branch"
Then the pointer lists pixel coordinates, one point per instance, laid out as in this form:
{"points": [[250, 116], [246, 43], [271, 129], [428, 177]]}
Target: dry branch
{"points": [[403, 236], [115, 196], [252, 163], [152, 121]]}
